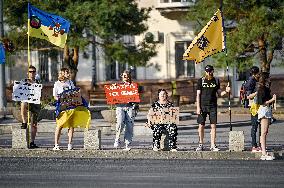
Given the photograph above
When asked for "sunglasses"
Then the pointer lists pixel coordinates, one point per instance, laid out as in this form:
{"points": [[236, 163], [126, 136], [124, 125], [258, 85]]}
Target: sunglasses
{"points": [[32, 71]]}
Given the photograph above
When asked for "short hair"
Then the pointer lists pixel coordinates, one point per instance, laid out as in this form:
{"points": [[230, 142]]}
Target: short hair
{"points": [[32, 67], [160, 90], [254, 70]]}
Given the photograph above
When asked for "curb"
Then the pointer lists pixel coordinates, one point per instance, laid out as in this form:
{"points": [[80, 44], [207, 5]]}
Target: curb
{"points": [[134, 154]]}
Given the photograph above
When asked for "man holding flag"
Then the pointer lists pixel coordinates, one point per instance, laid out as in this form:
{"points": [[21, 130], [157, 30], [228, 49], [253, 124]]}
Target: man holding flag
{"points": [[209, 41]]}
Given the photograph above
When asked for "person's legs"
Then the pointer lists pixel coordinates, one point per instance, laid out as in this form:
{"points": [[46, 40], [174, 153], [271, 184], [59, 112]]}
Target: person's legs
{"points": [[254, 126], [70, 135], [201, 121], [34, 118], [213, 135], [33, 131], [157, 133], [120, 116], [70, 138], [129, 122], [213, 122], [56, 137], [172, 132], [264, 130], [24, 114]]}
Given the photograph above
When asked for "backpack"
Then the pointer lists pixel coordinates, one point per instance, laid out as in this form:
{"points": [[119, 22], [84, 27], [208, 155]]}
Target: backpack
{"points": [[243, 95]]}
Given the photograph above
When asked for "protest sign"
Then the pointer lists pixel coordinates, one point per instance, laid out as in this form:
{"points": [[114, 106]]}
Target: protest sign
{"points": [[121, 93], [26, 92], [70, 99], [163, 116]]}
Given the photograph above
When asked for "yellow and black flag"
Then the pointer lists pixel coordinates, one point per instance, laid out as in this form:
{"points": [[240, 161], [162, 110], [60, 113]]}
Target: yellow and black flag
{"points": [[208, 42]]}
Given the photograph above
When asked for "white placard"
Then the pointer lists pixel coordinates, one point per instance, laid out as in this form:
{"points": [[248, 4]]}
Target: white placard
{"points": [[26, 92]]}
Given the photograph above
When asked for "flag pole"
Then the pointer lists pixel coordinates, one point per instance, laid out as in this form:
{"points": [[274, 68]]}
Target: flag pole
{"points": [[29, 60], [227, 64]]}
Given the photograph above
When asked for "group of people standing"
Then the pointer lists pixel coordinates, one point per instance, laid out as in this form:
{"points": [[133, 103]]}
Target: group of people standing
{"points": [[63, 120], [258, 92], [208, 89]]}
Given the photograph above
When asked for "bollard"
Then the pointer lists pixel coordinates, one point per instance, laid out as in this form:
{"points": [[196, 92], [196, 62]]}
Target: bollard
{"points": [[19, 137], [236, 141], [92, 139]]}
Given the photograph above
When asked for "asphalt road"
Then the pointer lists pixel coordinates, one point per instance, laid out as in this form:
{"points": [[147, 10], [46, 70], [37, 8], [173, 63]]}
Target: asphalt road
{"points": [[118, 173]]}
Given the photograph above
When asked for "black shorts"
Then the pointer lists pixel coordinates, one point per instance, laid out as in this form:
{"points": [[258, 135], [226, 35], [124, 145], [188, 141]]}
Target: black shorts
{"points": [[207, 110]]}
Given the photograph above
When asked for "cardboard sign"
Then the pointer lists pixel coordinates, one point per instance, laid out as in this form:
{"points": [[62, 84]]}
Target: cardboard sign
{"points": [[26, 92], [122, 93], [163, 116], [70, 99]]}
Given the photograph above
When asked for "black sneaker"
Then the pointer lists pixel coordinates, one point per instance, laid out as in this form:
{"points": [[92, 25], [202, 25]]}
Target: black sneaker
{"points": [[33, 145], [24, 126]]}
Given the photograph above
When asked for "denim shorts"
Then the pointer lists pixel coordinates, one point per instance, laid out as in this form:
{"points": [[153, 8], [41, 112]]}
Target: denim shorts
{"points": [[264, 112]]}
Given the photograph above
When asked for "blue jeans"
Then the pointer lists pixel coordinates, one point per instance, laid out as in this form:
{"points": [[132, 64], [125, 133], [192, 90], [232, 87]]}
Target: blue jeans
{"points": [[254, 126], [125, 118]]}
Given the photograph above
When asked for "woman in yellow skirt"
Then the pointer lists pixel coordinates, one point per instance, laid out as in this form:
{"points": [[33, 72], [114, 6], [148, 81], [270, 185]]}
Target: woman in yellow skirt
{"points": [[70, 118]]}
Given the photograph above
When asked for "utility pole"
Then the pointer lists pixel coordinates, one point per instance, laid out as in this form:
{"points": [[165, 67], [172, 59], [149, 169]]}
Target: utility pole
{"points": [[3, 101]]}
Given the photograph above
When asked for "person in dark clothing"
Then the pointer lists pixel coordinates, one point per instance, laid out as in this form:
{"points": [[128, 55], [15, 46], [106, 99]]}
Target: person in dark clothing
{"points": [[250, 88], [265, 100], [206, 98], [158, 129]]}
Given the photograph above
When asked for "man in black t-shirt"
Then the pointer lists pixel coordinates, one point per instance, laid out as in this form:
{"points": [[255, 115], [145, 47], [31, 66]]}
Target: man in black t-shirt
{"points": [[206, 98]]}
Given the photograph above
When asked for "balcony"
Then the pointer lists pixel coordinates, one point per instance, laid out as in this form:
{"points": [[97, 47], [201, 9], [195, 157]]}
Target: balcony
{"points": [[169, 4], [173, 8]]}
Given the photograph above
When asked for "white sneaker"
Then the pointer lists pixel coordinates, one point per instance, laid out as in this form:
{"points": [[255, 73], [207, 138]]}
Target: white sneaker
{"points": [[173, 150], [127, 148], [56, 148], [214, 148], [155, 148], [200, 148], [116, 144], [70, 147], [267, 157]]}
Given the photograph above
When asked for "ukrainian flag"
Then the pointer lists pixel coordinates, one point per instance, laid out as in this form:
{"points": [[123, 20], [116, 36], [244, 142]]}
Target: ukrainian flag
{"points": [[47, 26], [74, 116], [209, 41]]}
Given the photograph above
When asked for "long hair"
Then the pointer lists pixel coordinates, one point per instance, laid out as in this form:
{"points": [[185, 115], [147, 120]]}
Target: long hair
{"points": [[263, 78], [128, 75], [263, 83]]}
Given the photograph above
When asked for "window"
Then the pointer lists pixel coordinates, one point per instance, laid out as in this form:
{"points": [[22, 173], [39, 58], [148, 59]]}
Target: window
{"points": [[114, 69], [43, 65], [184, 68]]}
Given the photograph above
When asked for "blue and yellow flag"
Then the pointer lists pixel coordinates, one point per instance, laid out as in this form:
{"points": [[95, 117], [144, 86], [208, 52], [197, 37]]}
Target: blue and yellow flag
{"points": [[209, 41], [47, 26]]}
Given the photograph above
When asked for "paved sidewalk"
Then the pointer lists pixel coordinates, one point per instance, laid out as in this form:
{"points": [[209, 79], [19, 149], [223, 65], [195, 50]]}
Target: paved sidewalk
{"points": [[142, 141]]}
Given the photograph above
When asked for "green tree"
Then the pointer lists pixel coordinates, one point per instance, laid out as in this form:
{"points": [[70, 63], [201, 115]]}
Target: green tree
{"points": [[254, 28], [107, 19]]}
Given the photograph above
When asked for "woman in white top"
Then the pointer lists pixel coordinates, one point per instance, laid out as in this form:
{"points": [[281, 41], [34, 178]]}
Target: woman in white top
{"points": [[63, 83]]}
